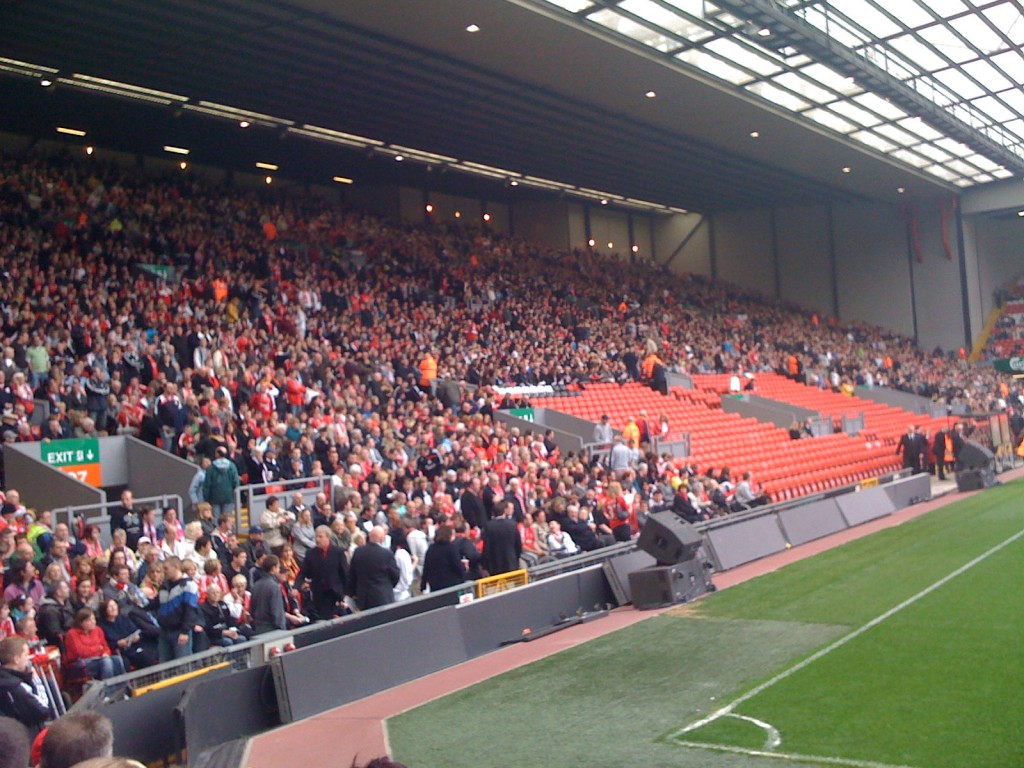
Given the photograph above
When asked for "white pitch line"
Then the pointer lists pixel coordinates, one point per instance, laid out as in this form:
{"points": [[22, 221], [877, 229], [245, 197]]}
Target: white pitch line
{"points": [[845, 638], [773, 740], [789, 756]]}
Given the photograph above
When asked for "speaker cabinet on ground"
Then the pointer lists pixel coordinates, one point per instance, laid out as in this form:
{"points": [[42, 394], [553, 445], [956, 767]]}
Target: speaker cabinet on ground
{"points": [[973, 456], [663, 585], [669, 539], [975, 479]]}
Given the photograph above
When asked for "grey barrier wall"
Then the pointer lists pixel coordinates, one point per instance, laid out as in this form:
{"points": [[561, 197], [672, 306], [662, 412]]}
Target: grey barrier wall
{"points": [[683, 380], [42, 486], [745, 541], [316, 678], [905, 491], [489, 623], [144, 726], [570, 432], [811, 521], [216, 711], [765, 410], [897, 399], [153, 472], [868, 504], [324, 676]]}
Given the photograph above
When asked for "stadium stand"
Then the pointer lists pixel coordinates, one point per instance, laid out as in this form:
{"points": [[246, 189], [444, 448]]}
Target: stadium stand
{"points": [[306, 340]]}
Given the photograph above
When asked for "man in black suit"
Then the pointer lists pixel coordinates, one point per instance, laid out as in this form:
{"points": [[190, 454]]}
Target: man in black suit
{"points": [[502, 544], [472, 505], [325, 567], [267, 602], [373, 573], [913, 446]]}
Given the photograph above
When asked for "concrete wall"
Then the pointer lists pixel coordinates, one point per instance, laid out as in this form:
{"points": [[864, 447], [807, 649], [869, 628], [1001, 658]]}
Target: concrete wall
{"points": [[743, 250], [670, 232], [805, 266]]}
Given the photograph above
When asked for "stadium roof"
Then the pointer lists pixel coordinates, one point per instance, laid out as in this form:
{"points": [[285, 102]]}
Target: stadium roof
{"points": [[686, 104]]}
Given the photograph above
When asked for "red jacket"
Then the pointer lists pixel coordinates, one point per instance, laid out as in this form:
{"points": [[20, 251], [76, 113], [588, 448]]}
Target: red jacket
{"points": [[79, 645]]}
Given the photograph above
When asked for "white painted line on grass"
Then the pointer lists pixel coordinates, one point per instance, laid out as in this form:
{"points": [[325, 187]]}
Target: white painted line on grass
{"points": [[773, 740], [728, 709], [788, 756]]}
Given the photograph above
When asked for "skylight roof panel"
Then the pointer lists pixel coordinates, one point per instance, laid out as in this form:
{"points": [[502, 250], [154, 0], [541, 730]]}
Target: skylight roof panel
{"points": [[910, 158], [870, 17], [693, 7], [805, 88], [959, 83], [994, 109], [897, 135], [954, 148], [941, 171], [744, 57], [830, 120], [933, 152], [963, 182], [572, 6], [873, 140], [881, 106], [981, 35], [920, 127], [949, 44], [609, 19], [778, 96], [831, 79], [1011, 63], [855, 113], [982, 162], [1007, 19], [715, 66], [1015, 98], [660, 16], [910, 13], [816, 18], [987, 75], [913, 49], [961, 167], [1002, 173]]}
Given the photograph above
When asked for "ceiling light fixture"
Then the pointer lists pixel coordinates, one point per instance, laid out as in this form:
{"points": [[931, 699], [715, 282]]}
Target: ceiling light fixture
{"points": [[429, 208], [89, 150], [846, 169], [183, 165], [458, 214], [269, 179], [267, 166], [591, 242], [755, 134], [605, 201], [70, 131], [176, 150], [46, 83], [1021, 214], [487, 217], [636, 249], [341, 179], [244, 123], [472, 28], [513, 183], [900, 190], [399, 158], [650, 94]]}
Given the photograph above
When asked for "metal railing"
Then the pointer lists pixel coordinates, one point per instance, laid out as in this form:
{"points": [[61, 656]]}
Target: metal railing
{"points": [[97, 513], [251, 499]]}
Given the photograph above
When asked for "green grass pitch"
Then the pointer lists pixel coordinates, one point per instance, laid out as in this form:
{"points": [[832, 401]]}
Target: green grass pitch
{"points": [[885, 652]]}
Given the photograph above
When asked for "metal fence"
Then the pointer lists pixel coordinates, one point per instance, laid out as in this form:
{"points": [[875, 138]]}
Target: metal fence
{"points": [[98, 513]]}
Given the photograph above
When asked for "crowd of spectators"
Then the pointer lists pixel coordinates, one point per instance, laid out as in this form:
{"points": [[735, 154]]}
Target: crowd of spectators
{"points": [[296, 338]]}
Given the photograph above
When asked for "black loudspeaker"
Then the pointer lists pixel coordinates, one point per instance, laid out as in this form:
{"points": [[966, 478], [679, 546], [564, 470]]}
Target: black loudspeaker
{"points": [[669, 539], [663, 585], [975, 479], [974, 456]]}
